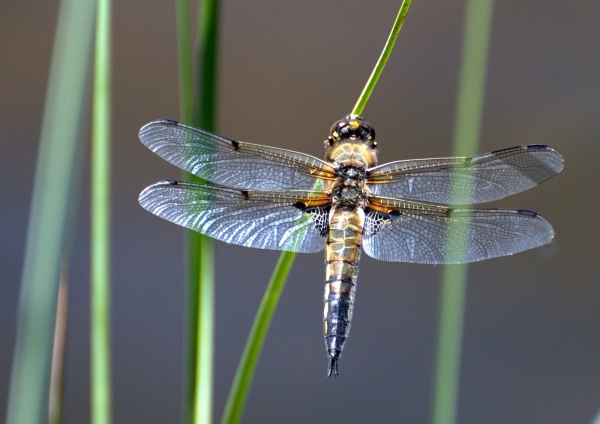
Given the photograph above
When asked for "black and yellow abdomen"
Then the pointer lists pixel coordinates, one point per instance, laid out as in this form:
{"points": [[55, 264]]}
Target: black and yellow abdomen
{"points": [[342, 256]]}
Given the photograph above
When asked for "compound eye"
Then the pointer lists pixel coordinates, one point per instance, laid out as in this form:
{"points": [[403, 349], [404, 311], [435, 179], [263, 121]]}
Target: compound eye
{"points": [[338, 130], [352, 127], [367, 132]]}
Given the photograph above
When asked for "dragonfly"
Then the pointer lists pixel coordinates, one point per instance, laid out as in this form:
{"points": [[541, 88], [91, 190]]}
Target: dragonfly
{"points": [[272, 198]]}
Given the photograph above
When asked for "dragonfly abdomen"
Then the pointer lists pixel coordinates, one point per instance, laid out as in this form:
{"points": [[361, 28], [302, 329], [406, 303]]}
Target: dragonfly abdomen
{"points": [[342, 256]]}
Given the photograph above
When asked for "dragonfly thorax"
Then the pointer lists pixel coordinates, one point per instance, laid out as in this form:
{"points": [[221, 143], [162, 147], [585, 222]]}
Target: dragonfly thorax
{"points": [[350, 175], [352, 143], [348, 197]]}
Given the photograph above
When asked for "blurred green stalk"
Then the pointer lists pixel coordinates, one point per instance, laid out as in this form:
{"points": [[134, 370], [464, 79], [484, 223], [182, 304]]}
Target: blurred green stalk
{"points": [[198, 106], [478, 22], [29, 385], [205, 117], [101, 410]]}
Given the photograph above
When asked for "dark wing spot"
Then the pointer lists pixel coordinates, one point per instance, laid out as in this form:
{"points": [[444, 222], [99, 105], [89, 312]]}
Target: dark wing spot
{"points": [[235, 145], [526, 212], [300, 205]]}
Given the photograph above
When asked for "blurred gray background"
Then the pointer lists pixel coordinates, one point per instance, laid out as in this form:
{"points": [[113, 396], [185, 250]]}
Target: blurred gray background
{"points": [[531, 348]]}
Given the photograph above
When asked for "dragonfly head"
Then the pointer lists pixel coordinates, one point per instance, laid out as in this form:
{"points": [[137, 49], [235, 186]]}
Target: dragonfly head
{"points": [[352, 128]]}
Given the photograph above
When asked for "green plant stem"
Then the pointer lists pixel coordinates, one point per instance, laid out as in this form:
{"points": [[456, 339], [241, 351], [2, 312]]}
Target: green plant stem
{"points": [[383, 58], [101, 409], [245, 372], [186, 98], [208, 42], [205, 117], [454, 277], [198, 108], [52, 188]]}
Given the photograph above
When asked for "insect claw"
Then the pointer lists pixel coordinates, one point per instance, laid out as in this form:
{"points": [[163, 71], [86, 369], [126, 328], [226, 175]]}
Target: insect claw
{"points": [[333, 368]]}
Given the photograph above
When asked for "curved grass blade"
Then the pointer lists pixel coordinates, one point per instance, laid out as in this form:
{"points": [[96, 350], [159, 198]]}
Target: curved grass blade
{"points": [[245, 373], [383, 58]]}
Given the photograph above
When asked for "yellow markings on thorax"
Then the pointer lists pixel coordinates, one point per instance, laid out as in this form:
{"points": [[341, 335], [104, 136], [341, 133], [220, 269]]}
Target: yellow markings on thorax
{"points": [[353, 154]]}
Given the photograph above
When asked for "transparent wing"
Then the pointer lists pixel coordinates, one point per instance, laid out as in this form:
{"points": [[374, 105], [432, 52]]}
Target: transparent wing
{"points": [[293, 221], [489, 176], [234, 163], [403, 231]]}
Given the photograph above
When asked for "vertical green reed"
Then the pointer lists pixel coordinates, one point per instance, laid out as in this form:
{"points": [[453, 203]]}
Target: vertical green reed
{"points": [[186, 102], [29, 384], [205, 117], [101, 410], [245, 372], [198, 106], [469, 109]]}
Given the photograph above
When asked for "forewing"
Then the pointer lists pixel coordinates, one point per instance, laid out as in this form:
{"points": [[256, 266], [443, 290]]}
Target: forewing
{"points": [[489, 176], [234, 163], [402, 231], [293, 221]]}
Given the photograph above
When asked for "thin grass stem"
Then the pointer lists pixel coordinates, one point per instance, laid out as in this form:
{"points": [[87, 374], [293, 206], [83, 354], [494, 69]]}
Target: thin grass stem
{"points": [[383, 58], [101, 410], [205, 117], [245, 373], [186, 99], [198, 107]]}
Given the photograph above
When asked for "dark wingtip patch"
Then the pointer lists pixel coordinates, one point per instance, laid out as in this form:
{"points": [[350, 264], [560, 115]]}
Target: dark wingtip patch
{"points": [[167, 121], [167, 182], [526, 212]]}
